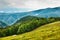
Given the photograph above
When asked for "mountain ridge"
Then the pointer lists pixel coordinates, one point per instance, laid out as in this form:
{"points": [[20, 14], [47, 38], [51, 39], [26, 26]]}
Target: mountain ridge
{"points": [[48, 12]]}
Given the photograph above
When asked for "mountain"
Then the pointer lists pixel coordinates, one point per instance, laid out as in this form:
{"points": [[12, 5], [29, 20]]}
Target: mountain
{"points": [[11, 18], [26, 18], [46, 32], [23, 25], [48, 12], [26, 24], [2, 24]]}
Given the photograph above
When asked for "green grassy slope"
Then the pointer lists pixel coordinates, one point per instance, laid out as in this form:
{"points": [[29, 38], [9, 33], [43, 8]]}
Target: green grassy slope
{"points": [[47, 32]]}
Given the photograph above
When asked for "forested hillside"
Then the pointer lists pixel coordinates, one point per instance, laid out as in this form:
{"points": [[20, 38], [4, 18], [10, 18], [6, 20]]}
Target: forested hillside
{"points": [[49, 31], [26, 24]]}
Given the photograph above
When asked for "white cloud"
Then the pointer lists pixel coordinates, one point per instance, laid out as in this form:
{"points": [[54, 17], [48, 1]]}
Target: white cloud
{"points": [[32, 4]]}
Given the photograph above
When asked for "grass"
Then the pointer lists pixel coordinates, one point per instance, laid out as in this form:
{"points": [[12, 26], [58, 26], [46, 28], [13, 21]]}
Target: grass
{"points": [[46, 32]]}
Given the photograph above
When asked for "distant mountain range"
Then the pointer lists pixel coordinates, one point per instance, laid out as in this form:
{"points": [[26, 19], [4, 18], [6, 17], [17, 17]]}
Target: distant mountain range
{"points": [[11, 18], [2, 24], [49, 12]]}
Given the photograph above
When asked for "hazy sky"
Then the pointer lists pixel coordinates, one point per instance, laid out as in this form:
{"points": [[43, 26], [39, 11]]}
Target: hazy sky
{"points": [[30, 4]]}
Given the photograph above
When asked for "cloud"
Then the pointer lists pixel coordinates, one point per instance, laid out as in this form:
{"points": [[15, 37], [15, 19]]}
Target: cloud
{"points": [[2, 4], [32, 4]]}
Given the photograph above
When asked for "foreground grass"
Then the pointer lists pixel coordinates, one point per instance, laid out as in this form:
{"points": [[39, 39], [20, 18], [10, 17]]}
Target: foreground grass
{"points": [[46, 32]]}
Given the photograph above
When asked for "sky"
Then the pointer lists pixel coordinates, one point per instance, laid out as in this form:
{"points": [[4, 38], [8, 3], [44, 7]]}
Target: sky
{"points": [[28, 4]]}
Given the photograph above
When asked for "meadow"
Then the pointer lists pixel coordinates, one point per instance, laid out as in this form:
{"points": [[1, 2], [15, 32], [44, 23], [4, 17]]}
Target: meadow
{"points": [[46, 32]]}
